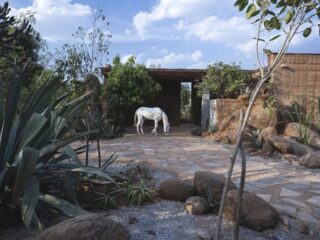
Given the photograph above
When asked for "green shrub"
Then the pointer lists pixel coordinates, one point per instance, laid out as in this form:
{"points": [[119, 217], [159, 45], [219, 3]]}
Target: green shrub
{"points": [[33, 150]]}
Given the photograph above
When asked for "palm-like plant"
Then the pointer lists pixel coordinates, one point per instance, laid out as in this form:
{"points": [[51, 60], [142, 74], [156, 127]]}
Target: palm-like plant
{"points": [[29, 141]]}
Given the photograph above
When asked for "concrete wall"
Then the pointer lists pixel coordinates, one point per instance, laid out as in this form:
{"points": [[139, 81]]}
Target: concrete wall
{"points": [[297, 76]]}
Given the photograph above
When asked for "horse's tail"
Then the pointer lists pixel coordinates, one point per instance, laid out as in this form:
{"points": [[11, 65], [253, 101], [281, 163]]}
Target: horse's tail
{"points": [[135, 119]]}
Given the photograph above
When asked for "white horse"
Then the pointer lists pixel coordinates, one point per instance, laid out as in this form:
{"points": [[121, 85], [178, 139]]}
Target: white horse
{"points": [[155, 114]]}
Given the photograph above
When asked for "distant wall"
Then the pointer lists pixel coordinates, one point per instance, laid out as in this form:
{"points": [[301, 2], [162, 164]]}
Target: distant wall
{"points": [[222, 108], [297, 76]]}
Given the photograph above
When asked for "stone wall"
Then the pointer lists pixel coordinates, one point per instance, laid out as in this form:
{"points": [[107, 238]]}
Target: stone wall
{"points": [[297, 77], [221, 108]]}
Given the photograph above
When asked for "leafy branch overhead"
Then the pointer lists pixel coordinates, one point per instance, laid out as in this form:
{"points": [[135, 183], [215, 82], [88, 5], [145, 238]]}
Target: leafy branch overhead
{"points": [[276, 21], [282, 17]]}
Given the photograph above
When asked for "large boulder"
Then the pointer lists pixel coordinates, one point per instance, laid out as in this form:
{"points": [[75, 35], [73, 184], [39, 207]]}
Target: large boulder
{"points": [[287, 145], [256, 213], [267, 134], [228, 129], [310, 160], [89, 226], [175, 189], [261, 118], [281, 145], [196, 205], [295, 129], [209, 183]]}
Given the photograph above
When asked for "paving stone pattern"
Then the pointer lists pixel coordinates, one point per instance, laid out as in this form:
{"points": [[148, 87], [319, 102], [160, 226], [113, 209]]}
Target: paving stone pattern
{"points": [[293, 190]]}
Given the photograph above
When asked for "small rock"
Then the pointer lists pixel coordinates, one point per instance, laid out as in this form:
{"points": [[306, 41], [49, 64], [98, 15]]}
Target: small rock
{"points": [[197, 132], [151, 232], [310, 160], [267, 148], [256, 214], [84, 227], [223, 140], [132, 220], [285, 220], [304, 228], [291, 158], [208, 181], [196, 205], [175, 189]]}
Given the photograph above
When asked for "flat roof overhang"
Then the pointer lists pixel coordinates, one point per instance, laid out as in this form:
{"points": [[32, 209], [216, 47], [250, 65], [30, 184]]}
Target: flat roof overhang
{"points": [[176, 75]]}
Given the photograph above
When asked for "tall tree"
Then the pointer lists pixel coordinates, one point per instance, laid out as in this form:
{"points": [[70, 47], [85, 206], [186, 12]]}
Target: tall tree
{"points": [[89, 52], [224, 80], [127, 87], [20, 43], [276, 21]]}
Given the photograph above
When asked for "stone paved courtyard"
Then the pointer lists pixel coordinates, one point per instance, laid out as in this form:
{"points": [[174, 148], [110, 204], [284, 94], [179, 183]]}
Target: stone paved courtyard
{"points": [[292, 189]]}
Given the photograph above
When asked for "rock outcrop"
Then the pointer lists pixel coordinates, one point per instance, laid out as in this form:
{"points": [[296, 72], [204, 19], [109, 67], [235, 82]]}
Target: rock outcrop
{"points": [[256, 213], [175, 189], [88, 226]]}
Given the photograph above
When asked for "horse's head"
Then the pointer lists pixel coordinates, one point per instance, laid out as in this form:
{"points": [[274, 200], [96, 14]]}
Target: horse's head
{"points": [[166, 129]]}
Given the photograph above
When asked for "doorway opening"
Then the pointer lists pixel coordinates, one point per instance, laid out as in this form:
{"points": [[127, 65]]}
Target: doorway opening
{"points": [[185, 102]]}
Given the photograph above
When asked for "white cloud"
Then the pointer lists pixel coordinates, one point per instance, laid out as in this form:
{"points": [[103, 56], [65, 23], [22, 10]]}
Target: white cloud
{"points": [[127, 32], [57, 19], [138, 58], [216, 29], [172, 9], [174, 59]]}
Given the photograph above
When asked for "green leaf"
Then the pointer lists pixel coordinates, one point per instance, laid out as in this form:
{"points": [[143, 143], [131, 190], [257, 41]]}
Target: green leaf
{"points": [[243, 5], [255, 13], [53, 147], [283, 10], [260, 39], [11, 108], [74, 157], [26, 162], [274, 1], [11, 142], [275, 23], [288, 17], [318, 12], [268, 12], [280, 4], [29, 200], [94, 171], [32, 130], [275, 37], [267, 24], [36, 224], [251, 8], [267, 51], [65, 207], [307, 32]]}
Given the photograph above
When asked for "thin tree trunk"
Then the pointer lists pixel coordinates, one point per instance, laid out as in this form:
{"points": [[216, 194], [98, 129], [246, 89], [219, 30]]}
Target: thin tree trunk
{"points": [[240, 193], [235, 152], [87, 150], [99, 153]]}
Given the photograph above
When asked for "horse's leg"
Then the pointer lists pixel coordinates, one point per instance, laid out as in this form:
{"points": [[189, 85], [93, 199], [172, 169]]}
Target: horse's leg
{"points": [[142, 121], [138, 125], [155, 126]]}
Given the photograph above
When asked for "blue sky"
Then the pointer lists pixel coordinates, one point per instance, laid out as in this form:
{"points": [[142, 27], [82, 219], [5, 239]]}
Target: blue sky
{"points": [[170, 33]]}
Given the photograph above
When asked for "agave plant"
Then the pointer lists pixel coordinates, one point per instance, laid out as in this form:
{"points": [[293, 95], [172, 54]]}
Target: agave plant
{"points": [[31, 147]]}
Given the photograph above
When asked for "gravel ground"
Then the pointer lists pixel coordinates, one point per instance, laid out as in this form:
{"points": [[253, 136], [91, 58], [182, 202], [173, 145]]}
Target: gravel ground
{"points": [[167, 220]]}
